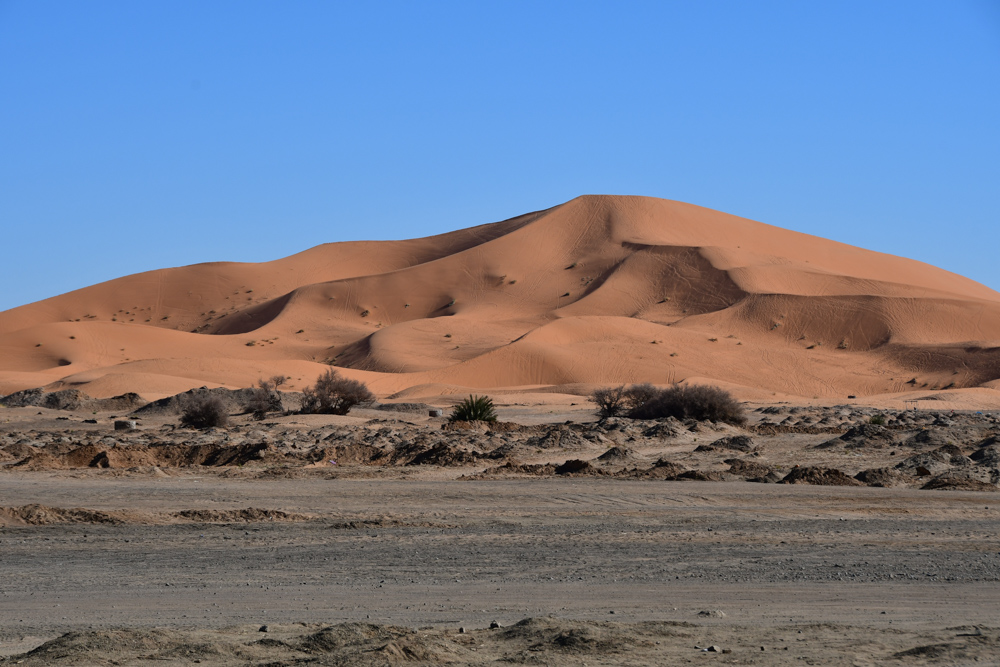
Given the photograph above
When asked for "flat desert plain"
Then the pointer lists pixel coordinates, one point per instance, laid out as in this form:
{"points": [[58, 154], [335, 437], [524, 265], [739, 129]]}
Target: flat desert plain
{"points": [[115, 549], [853, 519]]}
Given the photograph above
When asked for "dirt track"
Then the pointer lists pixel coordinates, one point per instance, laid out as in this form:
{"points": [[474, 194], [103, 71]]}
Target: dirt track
{"points": [[464, 553]]}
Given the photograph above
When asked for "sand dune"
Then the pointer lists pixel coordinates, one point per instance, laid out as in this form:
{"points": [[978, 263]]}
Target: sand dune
{"points": [[599, 290]]}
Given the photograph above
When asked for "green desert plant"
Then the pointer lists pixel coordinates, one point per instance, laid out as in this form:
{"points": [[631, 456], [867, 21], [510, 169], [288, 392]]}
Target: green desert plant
{"points": [[474, 409], [878, 420], [334, 395]]}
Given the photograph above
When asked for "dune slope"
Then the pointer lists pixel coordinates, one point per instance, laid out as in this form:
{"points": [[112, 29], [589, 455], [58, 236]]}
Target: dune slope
{"points": [[599, 290]]}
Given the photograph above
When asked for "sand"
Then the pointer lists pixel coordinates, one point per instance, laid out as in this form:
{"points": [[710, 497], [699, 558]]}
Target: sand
{"points": [[807, 535], [606, 572], [599, 290], [172, 545]]}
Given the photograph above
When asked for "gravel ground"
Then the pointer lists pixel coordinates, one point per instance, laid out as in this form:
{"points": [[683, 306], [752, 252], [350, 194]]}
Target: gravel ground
{"points": [[433, 552]]}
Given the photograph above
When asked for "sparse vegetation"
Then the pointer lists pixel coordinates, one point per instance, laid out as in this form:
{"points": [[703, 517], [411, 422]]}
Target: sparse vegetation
{"points": [[620, 401], [878, 420], [334, 395], [610, 401], [474, 409], [644, 401], [639, 394], [204, 411], [699, 402], [266, 397]]}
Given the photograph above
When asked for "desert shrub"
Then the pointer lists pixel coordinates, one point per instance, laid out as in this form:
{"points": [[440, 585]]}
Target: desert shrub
{"points": [[204, 411], [699, 402], [618, 401], [474, 409], [878, 420], [638, 395], [610, 401], [334, 395], [266, 397]]}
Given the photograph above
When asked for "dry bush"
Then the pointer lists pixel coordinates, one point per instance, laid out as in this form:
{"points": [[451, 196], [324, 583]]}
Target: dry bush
{"points": [[699, 402], [619, 401], [204, 411], [638, 395], [266, 397], [334, 395], [610, 401]]}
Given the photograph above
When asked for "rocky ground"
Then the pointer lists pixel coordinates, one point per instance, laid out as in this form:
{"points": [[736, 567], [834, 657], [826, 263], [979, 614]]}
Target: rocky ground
{"points": [[838, 445], [808, 535]]}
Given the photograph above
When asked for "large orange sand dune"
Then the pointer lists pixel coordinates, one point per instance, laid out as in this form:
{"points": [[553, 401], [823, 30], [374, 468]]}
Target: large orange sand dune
{"points": [[599, 290]]}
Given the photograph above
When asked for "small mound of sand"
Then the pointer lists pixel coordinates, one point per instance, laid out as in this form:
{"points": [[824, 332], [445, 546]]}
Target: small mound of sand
{"points": [[882, 477], [576, 466], [618, 454], [987, 456], [41, 515], [738, 443], [248, 515], [20, 450], [928, 437], [702, 475], [749, 469], [662, 469], [819, 477], [949, 483], [71, 399], [480, 427], [350, 454], [925, 464], [516, 468], [350, 635], [666, 429], [863, 436], [41, 460], [443, 454], [561, 437]]}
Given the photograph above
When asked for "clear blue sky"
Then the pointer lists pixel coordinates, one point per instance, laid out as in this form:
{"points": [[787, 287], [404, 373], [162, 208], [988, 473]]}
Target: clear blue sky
{"points": [[140, 135]]}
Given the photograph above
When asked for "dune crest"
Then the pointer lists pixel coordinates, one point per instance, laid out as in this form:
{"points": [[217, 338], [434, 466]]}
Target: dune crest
{"points": [[602, 289]]}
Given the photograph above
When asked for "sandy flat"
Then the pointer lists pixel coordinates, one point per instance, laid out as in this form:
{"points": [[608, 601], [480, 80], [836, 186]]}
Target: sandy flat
{"points": [[888, 567]]}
